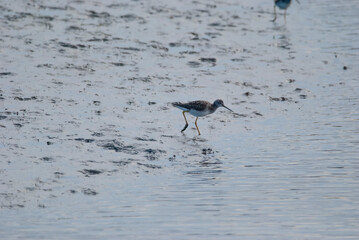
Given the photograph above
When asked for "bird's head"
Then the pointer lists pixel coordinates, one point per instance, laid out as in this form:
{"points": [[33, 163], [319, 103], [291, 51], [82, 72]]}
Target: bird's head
{"points": [[220, 103]]}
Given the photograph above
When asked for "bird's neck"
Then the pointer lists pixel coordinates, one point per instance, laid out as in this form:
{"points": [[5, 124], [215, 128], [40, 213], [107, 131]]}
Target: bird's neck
{"points": [[213, 108]]}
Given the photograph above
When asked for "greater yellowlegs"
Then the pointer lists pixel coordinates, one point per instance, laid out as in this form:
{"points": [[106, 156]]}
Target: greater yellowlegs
{"points": [[282, 4], [199, 109]]}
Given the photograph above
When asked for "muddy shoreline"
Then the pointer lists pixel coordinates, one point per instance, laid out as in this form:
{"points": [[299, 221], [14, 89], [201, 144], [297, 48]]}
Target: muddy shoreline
{"points": [[91, 146]]}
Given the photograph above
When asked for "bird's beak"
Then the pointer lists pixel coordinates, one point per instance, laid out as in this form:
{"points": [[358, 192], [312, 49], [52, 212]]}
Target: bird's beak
{"points": [[298, 1], [227, 108]]}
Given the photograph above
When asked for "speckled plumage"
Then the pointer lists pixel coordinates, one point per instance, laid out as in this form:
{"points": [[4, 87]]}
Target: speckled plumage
{"points": [[198, 109]]}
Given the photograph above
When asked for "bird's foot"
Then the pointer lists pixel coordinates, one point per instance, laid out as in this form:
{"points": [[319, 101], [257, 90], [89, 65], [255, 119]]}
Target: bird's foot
{"points": [[185, 127]]}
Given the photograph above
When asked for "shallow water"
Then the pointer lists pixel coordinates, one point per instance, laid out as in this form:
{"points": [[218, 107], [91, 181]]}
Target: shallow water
{"points": [[91, 147]]}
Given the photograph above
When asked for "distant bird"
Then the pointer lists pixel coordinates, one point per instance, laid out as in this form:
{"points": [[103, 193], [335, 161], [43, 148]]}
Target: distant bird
{"points": [[199, 109], [282, 4]]}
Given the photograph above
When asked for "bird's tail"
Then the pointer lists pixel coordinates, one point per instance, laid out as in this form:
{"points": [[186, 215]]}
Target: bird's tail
{"points": [[176, 104], [180, 106]]}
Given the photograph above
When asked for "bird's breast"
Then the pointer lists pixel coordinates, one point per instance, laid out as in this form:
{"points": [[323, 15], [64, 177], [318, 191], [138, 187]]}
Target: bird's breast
{"points": [[199, 113], [283, 4]]}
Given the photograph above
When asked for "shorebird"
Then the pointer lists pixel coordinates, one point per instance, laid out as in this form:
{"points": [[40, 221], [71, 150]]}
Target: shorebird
{"points": [[199, 109], [282, 4]]}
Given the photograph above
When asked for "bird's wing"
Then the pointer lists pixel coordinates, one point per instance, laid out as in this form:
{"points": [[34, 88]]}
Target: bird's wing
{"points": [[198, 105]]}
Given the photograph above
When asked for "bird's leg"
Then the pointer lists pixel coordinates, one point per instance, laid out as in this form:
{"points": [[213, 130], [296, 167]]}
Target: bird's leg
{"points": [[285, 14], [275, 14], [185, 120], [199, 133]]}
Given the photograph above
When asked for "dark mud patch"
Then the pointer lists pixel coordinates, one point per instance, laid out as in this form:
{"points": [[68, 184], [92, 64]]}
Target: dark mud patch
{"points": [[45, 65], [118, 64], [257, 114], [3, 74], [250, 85], [141, 79], [188, 52], [152, 166], [31, 189], [96, 103], [89, 192], [208, 60], [133, 49], [168, 136], [94, 14], [217, 25], [240, 115], [54, 7], [18, 125], [204, 171], [89, 172], [250, 166], [59, 174], [74, 28], [97, 134], [121, 163], [85, 140], [132, 17], [193, 64], [47, 159], [72, 191], [280, 99], [158, 46], [146, 139], [85, 67], [73, 46], [206, 151], [237, 59], [12, 206], [153, 154], [94, 39], [25, 99], [18, 16], [175, 44], [117, 146], [211, 162], [248, 94], [213, 34], [11, 199]]}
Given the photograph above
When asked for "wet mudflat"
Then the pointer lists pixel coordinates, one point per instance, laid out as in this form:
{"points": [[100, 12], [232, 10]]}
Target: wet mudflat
{"points": [[91, 147]]}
